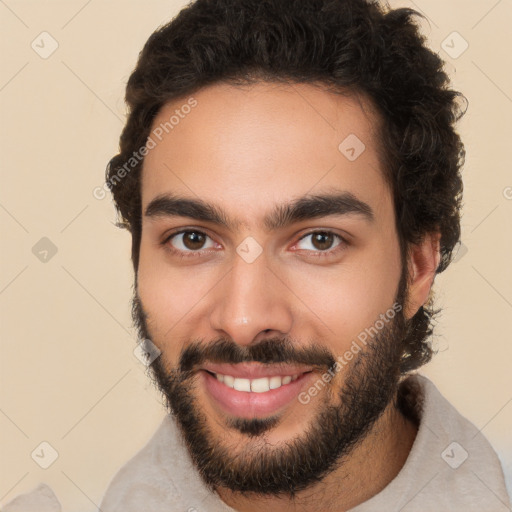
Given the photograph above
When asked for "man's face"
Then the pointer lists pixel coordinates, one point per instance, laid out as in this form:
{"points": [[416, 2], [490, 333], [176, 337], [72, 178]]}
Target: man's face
{"points": [[272, 291]]}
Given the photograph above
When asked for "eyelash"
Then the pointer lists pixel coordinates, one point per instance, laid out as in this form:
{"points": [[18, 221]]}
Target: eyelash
{"points": [[187, 254]]}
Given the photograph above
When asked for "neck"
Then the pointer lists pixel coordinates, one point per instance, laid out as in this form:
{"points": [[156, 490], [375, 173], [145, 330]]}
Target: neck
{"points": [[369, 467]]}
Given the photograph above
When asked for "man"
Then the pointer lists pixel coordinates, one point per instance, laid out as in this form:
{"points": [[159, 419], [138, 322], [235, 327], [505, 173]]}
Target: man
{"points": [[290, 176]]}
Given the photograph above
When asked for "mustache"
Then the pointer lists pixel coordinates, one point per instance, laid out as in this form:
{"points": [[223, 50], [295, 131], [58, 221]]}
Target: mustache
{"points": [[268, 351]]}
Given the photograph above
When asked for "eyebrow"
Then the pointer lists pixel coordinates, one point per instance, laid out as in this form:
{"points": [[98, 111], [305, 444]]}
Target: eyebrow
{"points": [[300, 209]]}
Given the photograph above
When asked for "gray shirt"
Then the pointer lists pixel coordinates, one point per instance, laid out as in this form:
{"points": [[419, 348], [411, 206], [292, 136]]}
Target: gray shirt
{"points": [[451, 467]]}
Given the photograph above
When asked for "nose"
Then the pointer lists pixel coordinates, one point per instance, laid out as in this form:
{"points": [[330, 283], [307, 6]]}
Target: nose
{"points": [[251, 303]]}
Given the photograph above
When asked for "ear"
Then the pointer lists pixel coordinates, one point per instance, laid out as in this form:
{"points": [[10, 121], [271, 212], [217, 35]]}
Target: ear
{"points": [[422, 262]]}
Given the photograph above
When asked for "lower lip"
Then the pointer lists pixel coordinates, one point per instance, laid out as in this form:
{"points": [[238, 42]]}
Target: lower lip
{"points": [[250, 405]]}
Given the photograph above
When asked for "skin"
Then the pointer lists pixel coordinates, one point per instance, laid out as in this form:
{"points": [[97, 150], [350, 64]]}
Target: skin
{"points": [[247, 150]]}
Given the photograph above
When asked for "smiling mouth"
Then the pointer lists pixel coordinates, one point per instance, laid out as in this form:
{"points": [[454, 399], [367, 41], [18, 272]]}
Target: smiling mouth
{"points": [[259, 385], [254, 391]]}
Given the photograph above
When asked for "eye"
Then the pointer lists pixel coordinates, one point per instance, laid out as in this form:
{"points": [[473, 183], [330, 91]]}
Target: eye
{"points": [[321, 241], [192, 242], [189, 241]]}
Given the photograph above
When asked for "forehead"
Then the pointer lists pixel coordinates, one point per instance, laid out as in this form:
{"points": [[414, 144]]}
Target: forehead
{"points": [[252, 147]]}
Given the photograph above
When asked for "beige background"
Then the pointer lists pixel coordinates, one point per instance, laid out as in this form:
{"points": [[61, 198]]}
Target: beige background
{"points": [[68, 372]]}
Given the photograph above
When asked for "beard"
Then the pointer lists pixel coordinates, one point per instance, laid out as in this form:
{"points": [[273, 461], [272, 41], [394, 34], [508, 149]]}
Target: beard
{"points": [[343, 419]]}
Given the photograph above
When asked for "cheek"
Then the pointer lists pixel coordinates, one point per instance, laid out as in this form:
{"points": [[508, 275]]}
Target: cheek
{"points": [[163, 297], [172, 298], [351, 298]]}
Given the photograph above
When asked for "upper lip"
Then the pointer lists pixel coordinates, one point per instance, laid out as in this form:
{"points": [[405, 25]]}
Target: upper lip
{"points": [[255, 370]]}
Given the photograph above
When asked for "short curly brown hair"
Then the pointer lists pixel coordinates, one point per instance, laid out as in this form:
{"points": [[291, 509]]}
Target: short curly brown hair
{"points": [[346, 45]]}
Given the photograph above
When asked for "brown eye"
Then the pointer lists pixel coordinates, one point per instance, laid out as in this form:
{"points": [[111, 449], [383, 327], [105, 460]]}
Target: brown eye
{"points": [[190, 241], [320, 241], [193, 240]]}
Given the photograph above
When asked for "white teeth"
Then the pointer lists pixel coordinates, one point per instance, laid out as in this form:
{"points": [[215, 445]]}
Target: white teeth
{"points": [[228, 380], [242, 384], [261, 385], [275, 382]]}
